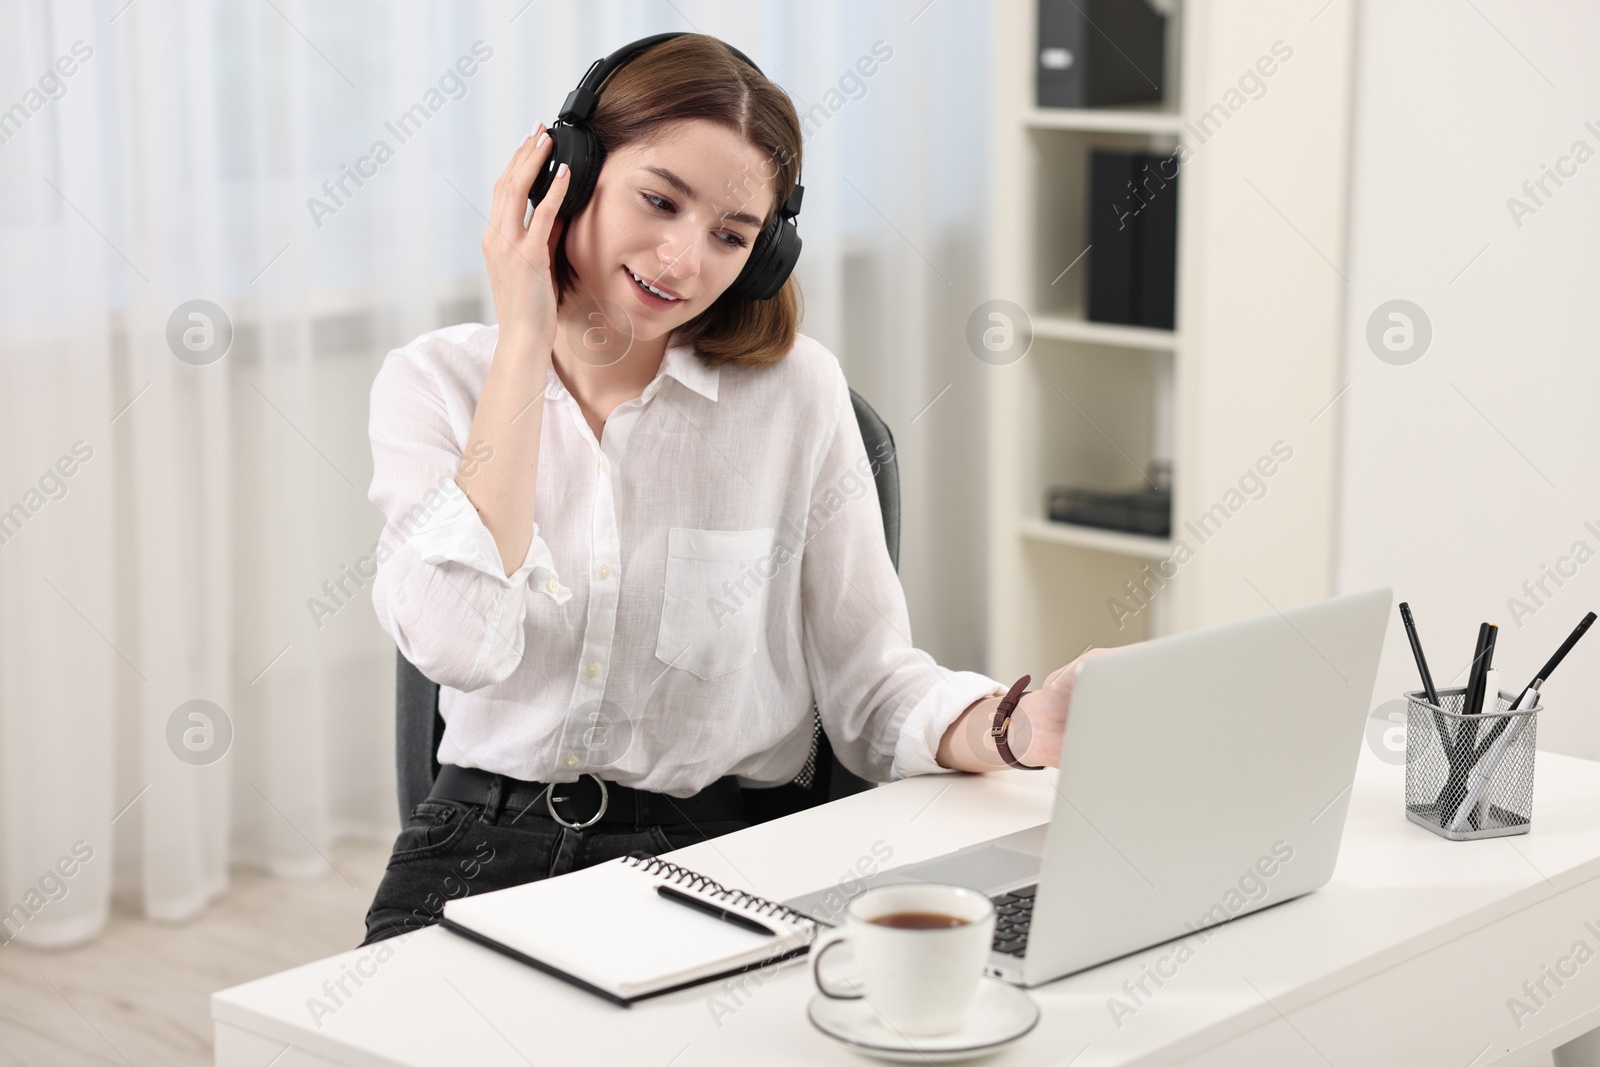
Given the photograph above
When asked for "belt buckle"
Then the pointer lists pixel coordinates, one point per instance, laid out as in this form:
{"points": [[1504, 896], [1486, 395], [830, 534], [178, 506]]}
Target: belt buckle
{"points": [[550, 799]]}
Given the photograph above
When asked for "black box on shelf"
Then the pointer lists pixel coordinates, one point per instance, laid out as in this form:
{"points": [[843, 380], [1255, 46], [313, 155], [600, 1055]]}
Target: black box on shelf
{"points": [[1100, 53], [1143, 511], [1133, 238]]}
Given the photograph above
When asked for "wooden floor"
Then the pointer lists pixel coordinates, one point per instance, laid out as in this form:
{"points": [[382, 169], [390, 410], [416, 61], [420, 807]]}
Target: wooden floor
{"points": [[140, 994]]}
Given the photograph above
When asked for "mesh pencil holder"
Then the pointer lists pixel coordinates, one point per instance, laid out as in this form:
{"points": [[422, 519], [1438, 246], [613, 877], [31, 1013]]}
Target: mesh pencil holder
{"points": [[1469, 776]]}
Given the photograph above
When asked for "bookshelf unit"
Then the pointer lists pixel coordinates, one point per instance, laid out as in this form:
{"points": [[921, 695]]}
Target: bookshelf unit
{"points": [[1253, 360]]}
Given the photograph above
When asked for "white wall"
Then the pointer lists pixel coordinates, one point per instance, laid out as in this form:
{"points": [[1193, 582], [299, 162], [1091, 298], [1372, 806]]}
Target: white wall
{"points": [[1470, 469]]}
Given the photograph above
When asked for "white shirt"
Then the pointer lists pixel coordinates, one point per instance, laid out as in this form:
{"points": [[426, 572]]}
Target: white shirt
{"points": [[696, 578]]}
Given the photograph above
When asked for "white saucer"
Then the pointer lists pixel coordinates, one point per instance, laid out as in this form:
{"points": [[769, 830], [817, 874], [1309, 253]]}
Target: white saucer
{"points": [[1000, 1014]]}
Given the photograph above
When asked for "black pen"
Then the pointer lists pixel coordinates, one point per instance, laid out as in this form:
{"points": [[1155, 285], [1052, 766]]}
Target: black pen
{"points": [[1416, 651], [711, 909], [1427, 676], [1455, 786], [1532, 691], [1530, 694], [1472, 700], [1524, 702]]}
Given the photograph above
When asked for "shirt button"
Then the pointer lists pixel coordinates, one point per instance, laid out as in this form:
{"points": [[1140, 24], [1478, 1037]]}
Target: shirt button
{"points": [[571, 760], [593, 668], [605, 570], [552, 585], [603, 466]]}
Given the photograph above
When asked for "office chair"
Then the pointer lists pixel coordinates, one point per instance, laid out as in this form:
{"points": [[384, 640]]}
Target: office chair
{"points": [[419, 726]]}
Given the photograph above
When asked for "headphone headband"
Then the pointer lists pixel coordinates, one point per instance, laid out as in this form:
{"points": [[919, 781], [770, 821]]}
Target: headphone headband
{"points": [[580, 103]]}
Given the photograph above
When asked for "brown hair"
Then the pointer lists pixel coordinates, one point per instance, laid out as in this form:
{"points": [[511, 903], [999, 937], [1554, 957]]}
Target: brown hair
{"points": [[697, 77]]}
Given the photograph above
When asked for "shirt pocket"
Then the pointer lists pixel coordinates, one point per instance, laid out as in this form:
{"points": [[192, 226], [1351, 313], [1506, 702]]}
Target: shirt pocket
{"points": [[709, 626]]}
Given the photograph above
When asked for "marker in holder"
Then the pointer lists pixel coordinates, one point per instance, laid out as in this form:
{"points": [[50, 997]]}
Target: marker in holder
{"points": [[1469, 776]]}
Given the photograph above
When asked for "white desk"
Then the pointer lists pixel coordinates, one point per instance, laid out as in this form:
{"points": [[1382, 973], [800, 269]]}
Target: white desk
{"points": [[1408, 956]]}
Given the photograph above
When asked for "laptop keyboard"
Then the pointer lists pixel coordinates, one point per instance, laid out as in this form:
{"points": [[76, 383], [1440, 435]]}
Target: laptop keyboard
{"points": [[1014, 914]]}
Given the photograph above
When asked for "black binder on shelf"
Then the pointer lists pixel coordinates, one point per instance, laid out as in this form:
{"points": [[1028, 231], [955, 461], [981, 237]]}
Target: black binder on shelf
{"points": [[1133, 237], [1158, 245], [1113, 243], [1140, 511], [1100, 53]]}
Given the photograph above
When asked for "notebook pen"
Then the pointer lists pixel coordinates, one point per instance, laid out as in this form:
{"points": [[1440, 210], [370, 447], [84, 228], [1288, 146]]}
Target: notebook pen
{"points": [[711, 909]]}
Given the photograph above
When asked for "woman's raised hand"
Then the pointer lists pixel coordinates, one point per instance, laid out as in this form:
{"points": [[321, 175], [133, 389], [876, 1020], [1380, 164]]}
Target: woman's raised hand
{"points": [[521, 258], [520, 255]]}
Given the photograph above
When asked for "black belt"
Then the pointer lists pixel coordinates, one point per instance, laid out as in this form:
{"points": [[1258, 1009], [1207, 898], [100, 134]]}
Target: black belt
{"points": [[590, 799]]}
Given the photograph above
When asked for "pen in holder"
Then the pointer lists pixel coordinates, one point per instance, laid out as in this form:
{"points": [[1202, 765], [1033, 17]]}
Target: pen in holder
{"points": [[1469, 776]]}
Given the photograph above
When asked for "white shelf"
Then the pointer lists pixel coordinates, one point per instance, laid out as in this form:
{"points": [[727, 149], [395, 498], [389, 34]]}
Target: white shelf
{"points": [[1103, 119], [1139, 546], [1070, 328], [1209, 395]]}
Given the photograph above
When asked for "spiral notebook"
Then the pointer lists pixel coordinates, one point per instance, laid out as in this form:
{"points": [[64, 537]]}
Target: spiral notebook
{"points": [[605, 928]]}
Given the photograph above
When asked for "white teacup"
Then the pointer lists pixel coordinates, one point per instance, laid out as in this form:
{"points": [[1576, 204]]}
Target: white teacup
{"points": [[922, 981]]}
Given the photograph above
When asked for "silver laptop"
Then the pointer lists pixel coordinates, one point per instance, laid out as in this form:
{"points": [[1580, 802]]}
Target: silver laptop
{"points": [[1203, 776]]}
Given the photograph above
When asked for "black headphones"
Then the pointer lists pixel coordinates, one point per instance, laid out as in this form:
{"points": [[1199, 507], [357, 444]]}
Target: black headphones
{"points": [[776, 250]]}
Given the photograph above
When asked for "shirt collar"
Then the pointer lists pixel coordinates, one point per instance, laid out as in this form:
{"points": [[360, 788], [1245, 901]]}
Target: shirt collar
{"points": [[680, 362]]}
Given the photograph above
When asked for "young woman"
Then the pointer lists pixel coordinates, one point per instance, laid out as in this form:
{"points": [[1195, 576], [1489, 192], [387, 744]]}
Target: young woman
{"points": [[640, 531]]}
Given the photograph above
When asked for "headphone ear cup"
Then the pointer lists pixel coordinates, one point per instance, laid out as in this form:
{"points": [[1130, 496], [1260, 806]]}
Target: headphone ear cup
{"points": [[578, 149], [771, 262]]}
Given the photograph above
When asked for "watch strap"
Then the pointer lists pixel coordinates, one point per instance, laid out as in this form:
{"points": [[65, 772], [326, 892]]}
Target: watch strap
{"points": [[1002, 724]]}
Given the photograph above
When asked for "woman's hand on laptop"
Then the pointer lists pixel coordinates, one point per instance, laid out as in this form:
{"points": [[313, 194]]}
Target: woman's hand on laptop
{"points": [[1044, 711], [1037, 726]]}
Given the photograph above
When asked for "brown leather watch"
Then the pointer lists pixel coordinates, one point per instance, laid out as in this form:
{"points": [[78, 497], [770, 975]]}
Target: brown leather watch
{"points": [[1002, 723]]}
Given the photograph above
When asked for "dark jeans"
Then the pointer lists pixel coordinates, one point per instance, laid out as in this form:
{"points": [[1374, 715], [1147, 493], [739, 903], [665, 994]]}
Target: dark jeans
{"points": [[449, 849]]}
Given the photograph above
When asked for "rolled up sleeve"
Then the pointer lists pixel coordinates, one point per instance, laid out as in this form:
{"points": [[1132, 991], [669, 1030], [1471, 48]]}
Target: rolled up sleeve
{"points": [[441, 591], [884, 703], [455, 533], [916, 751]]}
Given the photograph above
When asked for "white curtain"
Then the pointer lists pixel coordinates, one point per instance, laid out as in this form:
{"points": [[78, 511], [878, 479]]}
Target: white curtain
{"points": [[191, 675]]}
